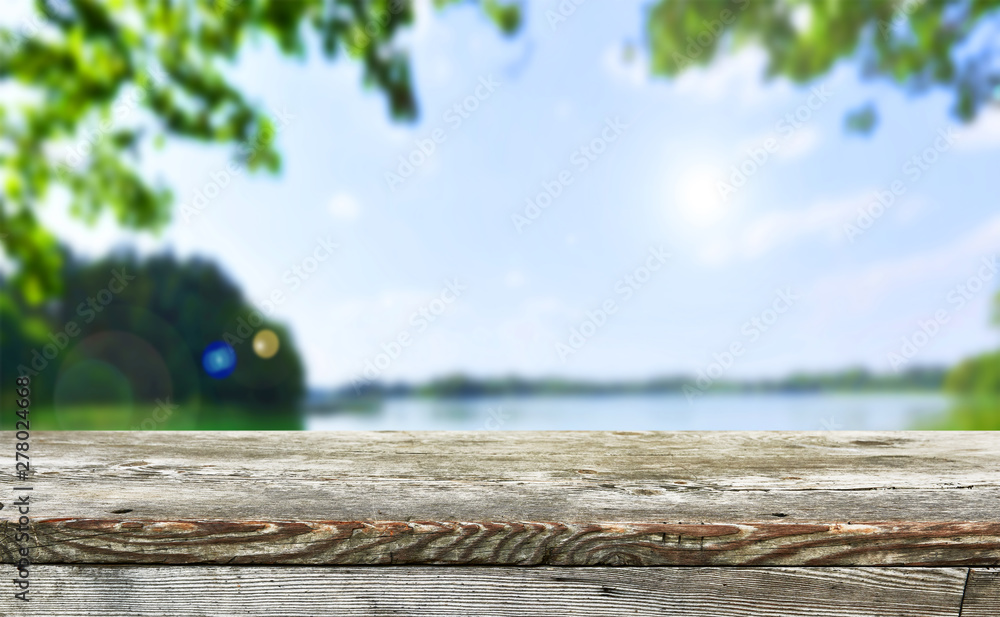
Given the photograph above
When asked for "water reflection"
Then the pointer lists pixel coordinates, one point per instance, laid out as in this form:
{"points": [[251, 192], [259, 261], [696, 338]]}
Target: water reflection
{"points": [[807, 412]]}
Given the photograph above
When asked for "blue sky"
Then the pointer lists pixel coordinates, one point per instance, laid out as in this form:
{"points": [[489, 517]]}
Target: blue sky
{"points": [[522, 292]]}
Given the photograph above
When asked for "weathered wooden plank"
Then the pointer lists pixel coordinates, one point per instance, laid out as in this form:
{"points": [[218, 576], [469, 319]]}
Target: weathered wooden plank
{"points": [[134, 591], [982, 593], [515, 498], [507, 543], [492, 476]]}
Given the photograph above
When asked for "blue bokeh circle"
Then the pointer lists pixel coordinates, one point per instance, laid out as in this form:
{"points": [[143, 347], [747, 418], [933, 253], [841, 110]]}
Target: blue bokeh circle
{"points": [[219, 359]]}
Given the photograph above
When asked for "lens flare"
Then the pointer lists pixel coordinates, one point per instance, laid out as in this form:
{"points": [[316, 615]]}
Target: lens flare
{"points": [[265, 344], [219, 359]]}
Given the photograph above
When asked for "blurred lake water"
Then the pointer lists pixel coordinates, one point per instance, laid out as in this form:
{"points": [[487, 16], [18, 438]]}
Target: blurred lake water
{"points": [[663, 412]]}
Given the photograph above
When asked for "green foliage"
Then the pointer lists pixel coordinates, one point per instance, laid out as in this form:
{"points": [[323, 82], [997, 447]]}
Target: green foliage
{"points": [[100, 80], [506, 16], [979, 376], [975, 383], [915, 44], [969, 414], [862, 120], [128, 333], [144, 415]]}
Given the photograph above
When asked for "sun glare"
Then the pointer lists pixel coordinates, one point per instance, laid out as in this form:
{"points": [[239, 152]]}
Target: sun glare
{"points": [[697, 197]]}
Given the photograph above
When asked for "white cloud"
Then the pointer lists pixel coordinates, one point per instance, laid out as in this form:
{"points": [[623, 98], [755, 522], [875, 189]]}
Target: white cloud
{"points": [[737, 78], [978, 243], [824, 220], [800, 143], [773, 229], [949, 261], [344, 206], [782, 227], [983, 134], [789, 147]]}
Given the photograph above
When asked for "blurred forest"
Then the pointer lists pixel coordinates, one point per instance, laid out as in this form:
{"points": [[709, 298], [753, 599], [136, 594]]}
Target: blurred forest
{"points": [[121, 348]]}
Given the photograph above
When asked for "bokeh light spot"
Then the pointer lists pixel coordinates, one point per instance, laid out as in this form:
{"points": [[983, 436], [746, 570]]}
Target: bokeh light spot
{"points": [[219, 359], [265, 344]]}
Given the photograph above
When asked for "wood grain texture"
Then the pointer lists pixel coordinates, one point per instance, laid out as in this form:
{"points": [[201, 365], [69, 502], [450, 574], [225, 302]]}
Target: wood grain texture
{"points": [[982, 593], [220, 591], [519, 498], [507, 543], [545, 476]]}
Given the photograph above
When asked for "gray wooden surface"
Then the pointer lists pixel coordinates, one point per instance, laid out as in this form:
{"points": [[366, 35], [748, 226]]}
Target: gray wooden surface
{"points": [[982, 595], [192, 524], [493, 498], [220, 591]]}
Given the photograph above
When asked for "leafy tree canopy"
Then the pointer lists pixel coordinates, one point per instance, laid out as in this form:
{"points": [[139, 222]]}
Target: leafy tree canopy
{"points": [[83, 65], [916, 44]]}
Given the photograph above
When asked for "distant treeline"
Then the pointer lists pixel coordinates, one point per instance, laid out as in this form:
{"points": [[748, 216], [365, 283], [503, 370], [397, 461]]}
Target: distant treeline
{"points": [[462, 386]]}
